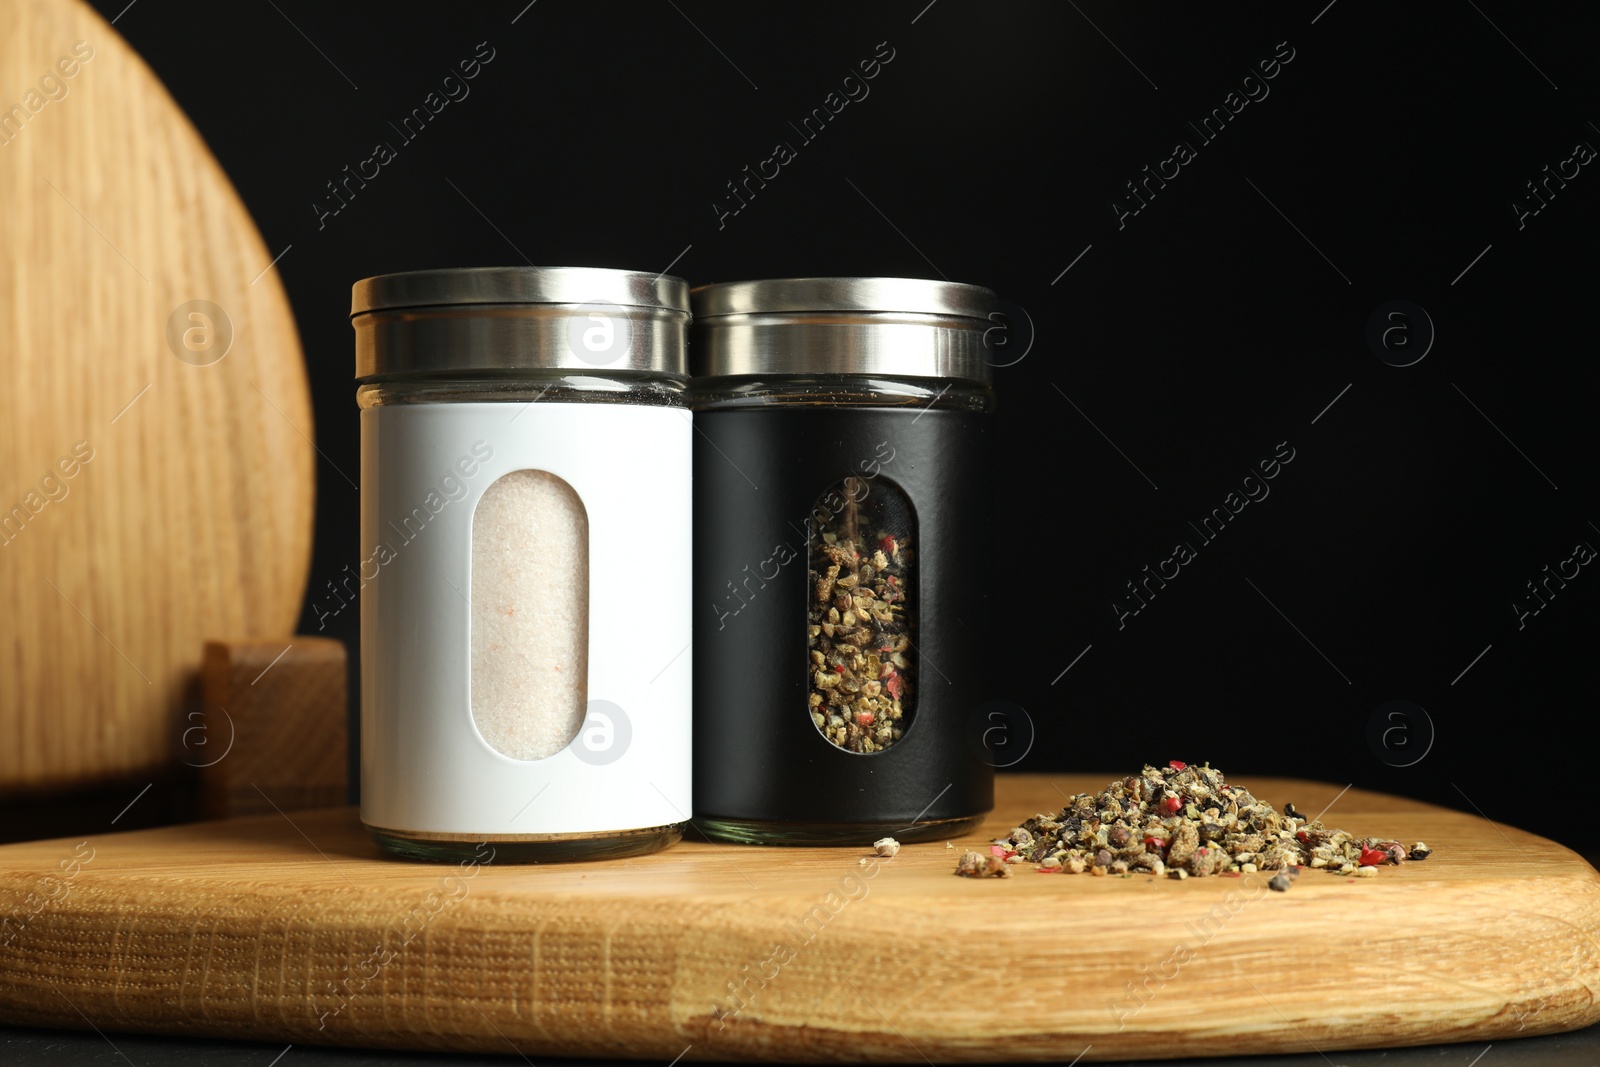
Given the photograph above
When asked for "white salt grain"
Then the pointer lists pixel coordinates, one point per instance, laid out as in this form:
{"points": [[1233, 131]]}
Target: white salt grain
{"points": [[530, 614]]}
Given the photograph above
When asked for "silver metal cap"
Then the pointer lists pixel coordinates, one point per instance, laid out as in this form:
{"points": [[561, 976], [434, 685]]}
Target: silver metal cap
{"points": [[505, 319], [908, 327]]}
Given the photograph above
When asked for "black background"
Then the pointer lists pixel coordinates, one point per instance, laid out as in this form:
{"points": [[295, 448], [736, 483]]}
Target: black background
{"points": [[1216, 323]]}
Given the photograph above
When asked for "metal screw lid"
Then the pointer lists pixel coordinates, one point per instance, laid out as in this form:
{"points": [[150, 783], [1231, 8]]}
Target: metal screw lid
{"points": [[506, 319], [911, 327]]}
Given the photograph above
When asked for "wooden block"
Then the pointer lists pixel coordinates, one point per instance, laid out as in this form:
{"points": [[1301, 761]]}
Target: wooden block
{"points": [[270, 733]]}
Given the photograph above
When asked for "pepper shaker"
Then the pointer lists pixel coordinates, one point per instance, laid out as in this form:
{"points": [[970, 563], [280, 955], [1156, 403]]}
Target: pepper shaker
{"points": [[840, 564]]}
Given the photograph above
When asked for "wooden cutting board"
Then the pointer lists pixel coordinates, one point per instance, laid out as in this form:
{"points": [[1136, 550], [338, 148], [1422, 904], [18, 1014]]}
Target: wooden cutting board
{"points": [[301, 932], [156, 468]]}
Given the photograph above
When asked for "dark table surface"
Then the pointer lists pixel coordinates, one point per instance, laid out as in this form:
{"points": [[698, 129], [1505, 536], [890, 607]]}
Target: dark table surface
{"points": [[50, 1047]]}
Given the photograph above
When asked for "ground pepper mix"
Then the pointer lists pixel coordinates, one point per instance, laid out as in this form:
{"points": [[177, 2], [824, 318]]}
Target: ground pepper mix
{"points": [[857, 627], [1183, 822]]}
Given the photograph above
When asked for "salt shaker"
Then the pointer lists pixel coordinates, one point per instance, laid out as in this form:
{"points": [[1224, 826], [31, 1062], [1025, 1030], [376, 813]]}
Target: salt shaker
{"points": [[525, 534]]}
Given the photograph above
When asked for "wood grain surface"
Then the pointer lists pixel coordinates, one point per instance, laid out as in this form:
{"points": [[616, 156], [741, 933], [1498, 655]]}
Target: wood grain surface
{"points": [[147, 502], [302, 932], [272, 729]]}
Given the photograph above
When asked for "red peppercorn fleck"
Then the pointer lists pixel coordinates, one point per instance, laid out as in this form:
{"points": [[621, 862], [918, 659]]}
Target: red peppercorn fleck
{"points": [[1300, 836], [864, 719], [1155, 844], [1178, 765], [1170, 805], [1373, 857]]}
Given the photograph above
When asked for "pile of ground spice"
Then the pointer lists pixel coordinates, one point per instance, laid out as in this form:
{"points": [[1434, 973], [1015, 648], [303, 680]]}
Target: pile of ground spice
{"points": [[1186, 821]]}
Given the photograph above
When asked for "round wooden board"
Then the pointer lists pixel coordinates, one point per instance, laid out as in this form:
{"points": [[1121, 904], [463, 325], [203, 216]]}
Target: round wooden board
{"points": [[297, 929], [147, 502]]}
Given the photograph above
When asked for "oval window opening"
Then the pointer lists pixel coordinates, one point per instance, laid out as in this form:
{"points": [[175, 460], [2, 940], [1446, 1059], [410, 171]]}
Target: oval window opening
{"points": [[530, 614], [861, 615]]}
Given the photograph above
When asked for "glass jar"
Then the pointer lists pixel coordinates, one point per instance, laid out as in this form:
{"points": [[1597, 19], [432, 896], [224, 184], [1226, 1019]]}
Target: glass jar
{"points": [[841, 562], [525, 476]]}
